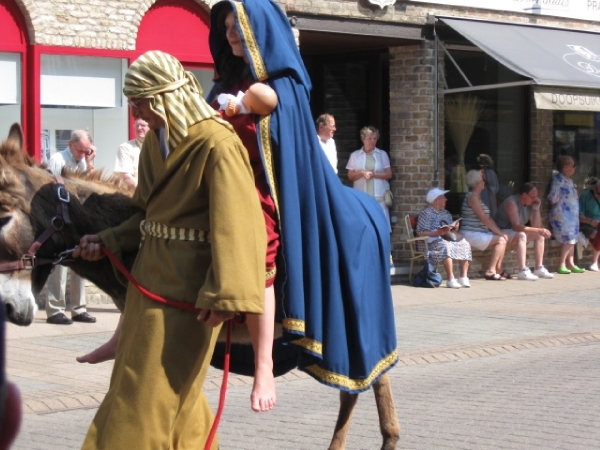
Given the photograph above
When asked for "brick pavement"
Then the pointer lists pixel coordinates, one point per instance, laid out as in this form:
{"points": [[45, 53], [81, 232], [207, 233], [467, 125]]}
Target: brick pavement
{"points": [[503, 365]]}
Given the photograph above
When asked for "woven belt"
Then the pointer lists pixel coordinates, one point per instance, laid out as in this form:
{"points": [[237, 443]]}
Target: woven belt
{"points": [[162, 231]]}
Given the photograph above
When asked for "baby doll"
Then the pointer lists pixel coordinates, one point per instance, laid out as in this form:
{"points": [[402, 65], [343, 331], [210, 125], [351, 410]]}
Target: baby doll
{"points": [[258, 99]]}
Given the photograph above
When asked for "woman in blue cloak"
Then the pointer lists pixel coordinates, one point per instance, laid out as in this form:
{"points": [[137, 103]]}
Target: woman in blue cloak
{"points": [[332, 285]]}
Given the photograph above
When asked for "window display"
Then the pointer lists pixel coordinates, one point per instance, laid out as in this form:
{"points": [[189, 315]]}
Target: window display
{"points": [[79, 92]]}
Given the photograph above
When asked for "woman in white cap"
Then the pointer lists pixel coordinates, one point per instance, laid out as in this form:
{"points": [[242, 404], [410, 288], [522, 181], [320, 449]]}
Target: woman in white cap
{"points": [[431, 223]]}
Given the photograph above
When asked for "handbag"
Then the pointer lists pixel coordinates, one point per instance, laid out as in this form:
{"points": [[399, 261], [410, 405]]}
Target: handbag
{"points": [[453, 236], [388, 198], [427, 277]]}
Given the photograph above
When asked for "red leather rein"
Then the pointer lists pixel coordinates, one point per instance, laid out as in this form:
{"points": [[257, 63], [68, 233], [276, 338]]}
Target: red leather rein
{"points": [[57, 224]]}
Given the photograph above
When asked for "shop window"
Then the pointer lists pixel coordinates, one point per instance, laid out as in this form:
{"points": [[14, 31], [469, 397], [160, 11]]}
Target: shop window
{"points": [[501, 129], [80, 92], [205, 77], [10, 94], [577, 134]]}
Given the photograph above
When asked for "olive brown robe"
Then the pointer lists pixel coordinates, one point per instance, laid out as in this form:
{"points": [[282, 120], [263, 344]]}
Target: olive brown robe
{"points": [[206, 187]]}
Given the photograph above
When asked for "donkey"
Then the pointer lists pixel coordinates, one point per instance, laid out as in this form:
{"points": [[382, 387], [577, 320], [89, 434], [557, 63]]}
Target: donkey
{"points": [[32, 205]]}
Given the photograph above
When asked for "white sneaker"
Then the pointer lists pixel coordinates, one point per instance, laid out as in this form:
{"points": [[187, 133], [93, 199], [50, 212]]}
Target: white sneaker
{"points": [[526, 274], [542, 272], [453, 284], [594, 267], [464, 282]]}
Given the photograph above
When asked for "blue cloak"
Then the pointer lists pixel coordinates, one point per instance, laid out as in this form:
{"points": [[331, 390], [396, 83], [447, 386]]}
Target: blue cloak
{"points": [[333, 278]]}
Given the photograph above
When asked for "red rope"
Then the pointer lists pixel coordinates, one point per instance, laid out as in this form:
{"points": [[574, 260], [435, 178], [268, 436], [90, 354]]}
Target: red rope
{"points": [[157, 298], [187, 307], [223, 393]]}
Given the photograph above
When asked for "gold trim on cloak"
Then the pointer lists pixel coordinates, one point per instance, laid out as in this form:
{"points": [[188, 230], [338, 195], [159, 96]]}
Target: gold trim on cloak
{"points": [[350, 384], [248, 36], [332, 378], [264, 123]]}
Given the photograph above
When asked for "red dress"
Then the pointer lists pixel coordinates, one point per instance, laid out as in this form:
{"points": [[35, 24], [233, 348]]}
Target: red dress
{"points": [[245, 127]]}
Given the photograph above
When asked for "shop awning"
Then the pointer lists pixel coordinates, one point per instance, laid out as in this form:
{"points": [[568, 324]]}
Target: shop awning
{"points": [[549, 56]]}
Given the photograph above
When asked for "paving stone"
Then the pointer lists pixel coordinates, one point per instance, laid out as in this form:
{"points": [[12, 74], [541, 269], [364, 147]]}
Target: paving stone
{"points": [[513, 370]]}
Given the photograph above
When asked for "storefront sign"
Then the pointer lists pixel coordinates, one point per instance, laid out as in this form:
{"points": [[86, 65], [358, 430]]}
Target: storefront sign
{"points": [[93, 92], [575, 9], [558, 100]]}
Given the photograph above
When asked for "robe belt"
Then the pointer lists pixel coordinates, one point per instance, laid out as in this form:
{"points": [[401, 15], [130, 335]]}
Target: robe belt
{"points": [[159, 230]]}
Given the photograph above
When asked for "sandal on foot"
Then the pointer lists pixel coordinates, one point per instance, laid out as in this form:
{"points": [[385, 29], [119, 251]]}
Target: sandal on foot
{"points": [[576, 269], [506, 275], [493, 276]]}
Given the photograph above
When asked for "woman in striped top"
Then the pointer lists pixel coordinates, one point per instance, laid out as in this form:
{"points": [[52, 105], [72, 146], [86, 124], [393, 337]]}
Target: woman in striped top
{"points": [[479, 228]]}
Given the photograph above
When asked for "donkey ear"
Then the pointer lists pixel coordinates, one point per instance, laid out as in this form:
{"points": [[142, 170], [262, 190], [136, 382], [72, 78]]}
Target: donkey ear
{"points": [[7, 175], [16, 134]]}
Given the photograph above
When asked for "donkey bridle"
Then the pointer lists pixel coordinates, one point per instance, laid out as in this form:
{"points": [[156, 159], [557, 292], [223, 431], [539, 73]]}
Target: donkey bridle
{"points": [[29, 260]]}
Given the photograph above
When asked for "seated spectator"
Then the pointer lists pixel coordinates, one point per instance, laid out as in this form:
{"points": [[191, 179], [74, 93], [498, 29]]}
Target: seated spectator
{"points": [[564, 214], [589, 217], [479, 228], [519, 217], [430, 223]]}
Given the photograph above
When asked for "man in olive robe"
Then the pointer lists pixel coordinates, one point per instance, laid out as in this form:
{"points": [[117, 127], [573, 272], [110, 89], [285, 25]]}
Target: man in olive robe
{"points": [[201, 238]]}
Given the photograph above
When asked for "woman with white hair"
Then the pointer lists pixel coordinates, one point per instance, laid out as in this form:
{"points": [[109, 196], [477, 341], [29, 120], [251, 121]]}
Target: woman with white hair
{"points": [[564, 214], [479, 228], [369, 169], [431, 223]]}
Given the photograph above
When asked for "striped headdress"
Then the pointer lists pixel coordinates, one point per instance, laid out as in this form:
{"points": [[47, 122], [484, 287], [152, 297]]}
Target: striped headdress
{"points": [[175, 94]]}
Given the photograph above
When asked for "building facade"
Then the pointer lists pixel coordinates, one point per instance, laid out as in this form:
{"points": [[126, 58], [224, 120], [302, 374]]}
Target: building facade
{"points": [[531, 67]]}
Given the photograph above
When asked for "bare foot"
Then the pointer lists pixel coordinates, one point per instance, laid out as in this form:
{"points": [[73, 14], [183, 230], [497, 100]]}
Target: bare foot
{"points": [[263, 397], [105, 352]]}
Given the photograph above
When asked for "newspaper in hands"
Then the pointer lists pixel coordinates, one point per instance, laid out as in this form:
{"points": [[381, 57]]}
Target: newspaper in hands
{"points": [[451, 226]]}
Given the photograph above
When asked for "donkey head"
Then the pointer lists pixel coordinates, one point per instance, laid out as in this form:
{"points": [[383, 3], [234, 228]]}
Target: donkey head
{"points": [[16, 232]]}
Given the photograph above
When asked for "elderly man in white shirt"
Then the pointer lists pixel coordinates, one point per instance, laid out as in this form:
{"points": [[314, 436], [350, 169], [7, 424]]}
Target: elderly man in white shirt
{"points": [[325, 129], [79, 156], [128, 154]]}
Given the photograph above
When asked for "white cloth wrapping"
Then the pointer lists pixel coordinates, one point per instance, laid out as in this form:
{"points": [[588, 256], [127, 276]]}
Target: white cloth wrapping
{"points": [[224, 100]]}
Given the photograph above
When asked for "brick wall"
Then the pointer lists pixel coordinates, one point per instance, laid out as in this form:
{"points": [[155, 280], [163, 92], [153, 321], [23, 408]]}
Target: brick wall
{"points": [[99, 24], [412, 151]]}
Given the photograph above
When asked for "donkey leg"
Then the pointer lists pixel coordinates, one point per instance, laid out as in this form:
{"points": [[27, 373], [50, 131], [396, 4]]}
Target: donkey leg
{"points": [[388, 419], [347, 404]]}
